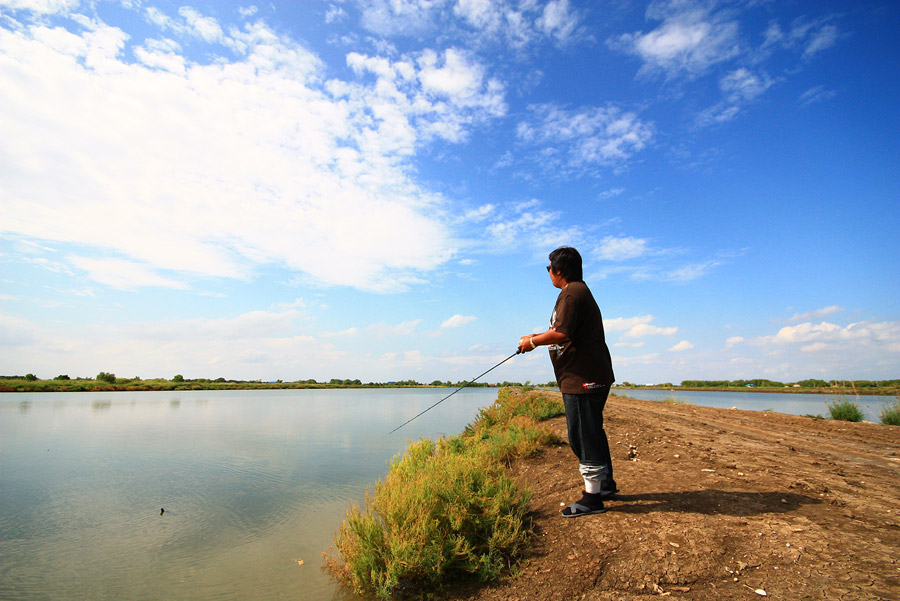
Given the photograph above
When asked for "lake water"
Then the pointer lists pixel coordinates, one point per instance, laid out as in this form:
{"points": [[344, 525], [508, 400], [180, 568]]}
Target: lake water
{"points": [[787, 402], [253, 483]]}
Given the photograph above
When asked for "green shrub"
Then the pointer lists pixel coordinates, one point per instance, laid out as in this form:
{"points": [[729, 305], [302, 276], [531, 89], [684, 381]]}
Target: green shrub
{"points": [[845, 410], [446, 509], [890, 414]]}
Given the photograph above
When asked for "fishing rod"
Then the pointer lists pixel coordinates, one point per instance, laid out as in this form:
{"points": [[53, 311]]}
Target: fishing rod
{"points": [[454, 392]]}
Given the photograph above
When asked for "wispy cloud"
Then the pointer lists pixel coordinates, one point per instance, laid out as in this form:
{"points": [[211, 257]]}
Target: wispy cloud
{"points": [[817, 314], [256, 158], [690, 39], [124, 274], [585, 138], [385, 330], [530, 221], [614, 248], [816, 95], [457, 321], [516, 24], [558, 20], [739, 88]]}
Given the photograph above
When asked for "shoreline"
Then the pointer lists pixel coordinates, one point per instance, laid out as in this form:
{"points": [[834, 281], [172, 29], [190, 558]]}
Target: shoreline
{"points": [[161, 385]]}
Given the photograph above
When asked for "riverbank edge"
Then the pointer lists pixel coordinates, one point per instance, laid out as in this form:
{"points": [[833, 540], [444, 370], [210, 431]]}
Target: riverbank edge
{"points": [[431, 523], [160, 385]]}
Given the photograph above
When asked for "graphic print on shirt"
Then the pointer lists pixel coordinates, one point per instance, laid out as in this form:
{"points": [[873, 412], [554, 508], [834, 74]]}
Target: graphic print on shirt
{"points": [[559, 348]]}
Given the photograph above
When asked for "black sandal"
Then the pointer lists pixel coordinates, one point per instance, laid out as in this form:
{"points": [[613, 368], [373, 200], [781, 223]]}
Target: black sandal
{"points": [[588, 504]]}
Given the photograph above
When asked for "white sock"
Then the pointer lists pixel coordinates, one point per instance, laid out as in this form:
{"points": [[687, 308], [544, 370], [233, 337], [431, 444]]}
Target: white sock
{"points": [[591, 486]]}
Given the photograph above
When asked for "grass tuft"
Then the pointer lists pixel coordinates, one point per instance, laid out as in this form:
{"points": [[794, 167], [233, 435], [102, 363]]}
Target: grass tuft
{"points": [[673, 401], [890, 414], [447, 509], [845, 410]]}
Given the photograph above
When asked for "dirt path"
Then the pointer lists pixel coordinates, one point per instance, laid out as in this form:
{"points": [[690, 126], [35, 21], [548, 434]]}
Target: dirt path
{"points": [[718, 504]]}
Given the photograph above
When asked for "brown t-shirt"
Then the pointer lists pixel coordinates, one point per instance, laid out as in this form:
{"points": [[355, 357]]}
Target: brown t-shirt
{"points": [[582, 363]]}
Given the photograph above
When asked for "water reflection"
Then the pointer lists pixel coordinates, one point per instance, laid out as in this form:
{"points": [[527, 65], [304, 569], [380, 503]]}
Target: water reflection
{"points": [[251, 482]]}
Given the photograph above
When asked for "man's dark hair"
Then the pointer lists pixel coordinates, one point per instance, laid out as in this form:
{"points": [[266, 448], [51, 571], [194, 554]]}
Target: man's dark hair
{"points": [[566, 261]]}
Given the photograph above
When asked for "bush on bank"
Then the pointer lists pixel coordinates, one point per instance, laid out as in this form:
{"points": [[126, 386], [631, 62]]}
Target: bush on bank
{"points": [[845, 410], [890, 414], [447, 509]]}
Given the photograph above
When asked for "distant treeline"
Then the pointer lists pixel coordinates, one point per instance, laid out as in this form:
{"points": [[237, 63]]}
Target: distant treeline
{"points": [[105, 381], [868, 386]]}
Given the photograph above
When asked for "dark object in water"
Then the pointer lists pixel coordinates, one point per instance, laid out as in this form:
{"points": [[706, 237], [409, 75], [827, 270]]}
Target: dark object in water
{"points": [[162, 511]]}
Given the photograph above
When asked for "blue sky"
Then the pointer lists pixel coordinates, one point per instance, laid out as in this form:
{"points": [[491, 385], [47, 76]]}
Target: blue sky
{"points": [[370, 188]]}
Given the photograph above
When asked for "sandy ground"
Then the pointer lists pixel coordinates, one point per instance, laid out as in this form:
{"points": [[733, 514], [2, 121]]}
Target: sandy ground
{"points": [[717, 504]]}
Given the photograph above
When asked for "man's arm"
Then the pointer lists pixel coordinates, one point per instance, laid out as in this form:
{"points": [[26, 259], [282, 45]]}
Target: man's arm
{"points": [[532, 341]]}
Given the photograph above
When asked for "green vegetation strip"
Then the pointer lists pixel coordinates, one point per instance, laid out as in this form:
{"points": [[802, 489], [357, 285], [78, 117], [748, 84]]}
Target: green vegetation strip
{"points": [[447, 509]]}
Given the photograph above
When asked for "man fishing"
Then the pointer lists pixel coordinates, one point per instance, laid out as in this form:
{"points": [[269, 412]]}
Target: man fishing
{"points": [[583, 368]]}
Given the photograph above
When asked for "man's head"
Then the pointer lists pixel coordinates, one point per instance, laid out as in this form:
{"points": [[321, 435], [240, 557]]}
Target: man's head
{"points": [[566, 262]]}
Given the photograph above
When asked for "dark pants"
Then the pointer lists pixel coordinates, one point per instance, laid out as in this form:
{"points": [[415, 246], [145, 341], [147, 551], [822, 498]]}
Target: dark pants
{"points": [[584, 418]]}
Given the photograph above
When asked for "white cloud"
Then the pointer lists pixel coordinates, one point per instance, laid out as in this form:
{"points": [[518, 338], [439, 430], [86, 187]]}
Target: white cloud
{"points": [[688, 42], [820, 40], [817, 314], [428, 95], [585, 138], [219, 168], [258, 344], [869, 335], [205, 28], [527, 221], [399, 17], [687, 273], [733, 341], [485, 15], [814, 347], [44, 263], [641, 330], [458, 320], [625, 323], [637, 327], [123, 274], [558, 20], [611, 193], [815, 95], [739, 88], [41, 6], [621, 248], [351, 332], [684, 345], [335, 14], [385, 330], [629, 344], [480, 22], [808, 36]]}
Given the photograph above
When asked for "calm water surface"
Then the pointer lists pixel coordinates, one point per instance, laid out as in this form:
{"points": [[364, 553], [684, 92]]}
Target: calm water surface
{"points": [[252, 482], [791, 403]]}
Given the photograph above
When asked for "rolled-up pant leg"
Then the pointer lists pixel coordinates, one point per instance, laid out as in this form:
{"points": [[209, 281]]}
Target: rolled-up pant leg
{"points": [[584, 419]]}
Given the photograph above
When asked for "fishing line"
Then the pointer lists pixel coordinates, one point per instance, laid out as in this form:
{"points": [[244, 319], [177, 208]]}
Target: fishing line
{"points": [[454, 392]]}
